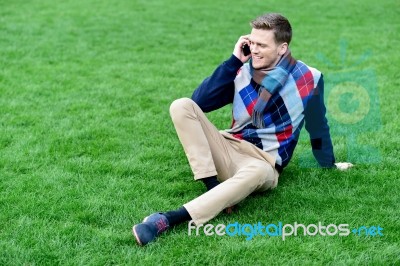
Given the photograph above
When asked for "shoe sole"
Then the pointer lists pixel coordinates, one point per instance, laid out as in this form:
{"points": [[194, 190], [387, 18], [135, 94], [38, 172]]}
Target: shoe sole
{"points": [[136, 236]]}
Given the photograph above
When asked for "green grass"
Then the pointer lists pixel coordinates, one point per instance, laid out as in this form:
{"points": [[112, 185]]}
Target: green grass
{"points": [[87, 148]]}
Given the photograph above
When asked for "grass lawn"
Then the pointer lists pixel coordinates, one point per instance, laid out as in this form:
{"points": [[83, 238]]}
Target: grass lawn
{"points": [[87, 148]]}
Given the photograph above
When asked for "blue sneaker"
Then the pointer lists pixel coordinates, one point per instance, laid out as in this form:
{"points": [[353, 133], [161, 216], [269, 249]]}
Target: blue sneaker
{"points": [[151, 227]]}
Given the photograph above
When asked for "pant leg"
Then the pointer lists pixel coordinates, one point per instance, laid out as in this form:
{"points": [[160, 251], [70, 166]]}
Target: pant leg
{"points": [[208, 152], [243, 167], [252, 175]]}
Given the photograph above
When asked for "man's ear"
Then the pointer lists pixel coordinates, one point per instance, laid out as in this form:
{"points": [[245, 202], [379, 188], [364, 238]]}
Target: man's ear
{"points": [[282, 48]]}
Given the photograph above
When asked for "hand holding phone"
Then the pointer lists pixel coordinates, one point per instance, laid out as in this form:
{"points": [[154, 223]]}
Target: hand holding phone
{"points": [[242, 49]]}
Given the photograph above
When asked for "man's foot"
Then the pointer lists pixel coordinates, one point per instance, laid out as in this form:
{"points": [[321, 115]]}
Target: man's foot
{"points": [[230, 209], [151, 227]]}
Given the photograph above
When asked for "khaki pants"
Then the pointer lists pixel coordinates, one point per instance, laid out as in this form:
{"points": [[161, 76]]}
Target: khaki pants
{"points": [[239, 165]]}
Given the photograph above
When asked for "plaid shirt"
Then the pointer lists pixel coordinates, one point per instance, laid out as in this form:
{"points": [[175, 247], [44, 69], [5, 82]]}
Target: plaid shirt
{"points": [[299, 100]]}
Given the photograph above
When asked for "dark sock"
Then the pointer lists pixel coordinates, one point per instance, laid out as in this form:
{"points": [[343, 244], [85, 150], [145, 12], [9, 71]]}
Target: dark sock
{"points": [[210, 182], [178, 216]]}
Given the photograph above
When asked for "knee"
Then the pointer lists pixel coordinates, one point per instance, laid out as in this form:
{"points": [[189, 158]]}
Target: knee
{"points": [[180, 104], [180, 107]]}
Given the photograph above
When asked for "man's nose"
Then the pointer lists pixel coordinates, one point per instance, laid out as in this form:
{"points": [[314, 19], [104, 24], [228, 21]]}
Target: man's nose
{"points": [[253, 48]]}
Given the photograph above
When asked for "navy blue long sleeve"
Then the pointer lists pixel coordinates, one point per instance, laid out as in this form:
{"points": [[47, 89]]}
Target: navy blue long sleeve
{"points": [[218, 90], [317, 126]]}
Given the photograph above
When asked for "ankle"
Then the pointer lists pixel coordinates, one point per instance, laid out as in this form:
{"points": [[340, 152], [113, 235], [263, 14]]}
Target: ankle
{"points": [[210, 182], [177, 216]]}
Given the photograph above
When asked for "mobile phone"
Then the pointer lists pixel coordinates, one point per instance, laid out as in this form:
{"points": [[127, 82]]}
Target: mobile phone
{"points": [[246, 49]]}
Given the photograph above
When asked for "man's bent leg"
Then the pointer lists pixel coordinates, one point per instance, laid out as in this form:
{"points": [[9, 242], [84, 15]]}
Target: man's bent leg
{"points": [[253, 175], [208, 152]]}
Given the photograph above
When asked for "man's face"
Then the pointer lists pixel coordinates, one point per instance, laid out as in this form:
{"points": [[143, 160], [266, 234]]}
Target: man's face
{"points": [[265, 52]]}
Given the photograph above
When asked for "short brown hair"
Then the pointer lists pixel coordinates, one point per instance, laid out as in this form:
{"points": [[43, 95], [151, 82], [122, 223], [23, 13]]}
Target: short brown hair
{"points": [[276, 22]]}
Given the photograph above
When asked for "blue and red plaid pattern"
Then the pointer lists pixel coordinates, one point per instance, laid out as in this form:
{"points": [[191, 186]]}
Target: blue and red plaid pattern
{"points": [[283, 115], [271, 122]]}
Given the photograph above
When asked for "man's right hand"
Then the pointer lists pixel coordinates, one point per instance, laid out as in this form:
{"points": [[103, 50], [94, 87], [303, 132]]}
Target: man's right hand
{"points": [[238, 52]]}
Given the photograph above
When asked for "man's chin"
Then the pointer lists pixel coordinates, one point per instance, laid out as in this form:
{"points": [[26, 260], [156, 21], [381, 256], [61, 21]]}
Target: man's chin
{"points": [[258, 67]]}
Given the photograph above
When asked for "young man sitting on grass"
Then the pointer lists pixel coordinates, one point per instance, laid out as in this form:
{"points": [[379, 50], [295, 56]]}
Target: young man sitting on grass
{"points": [[273, 95]]}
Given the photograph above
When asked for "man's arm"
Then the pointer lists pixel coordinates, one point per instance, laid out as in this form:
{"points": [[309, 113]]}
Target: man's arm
{"points": [[317, 126], [217, 90]]}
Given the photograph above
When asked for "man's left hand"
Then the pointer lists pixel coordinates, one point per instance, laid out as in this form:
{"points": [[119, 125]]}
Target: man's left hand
{"points": [[343, 166]]}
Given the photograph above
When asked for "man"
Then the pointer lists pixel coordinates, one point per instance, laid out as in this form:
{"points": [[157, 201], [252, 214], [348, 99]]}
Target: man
{"points": [[272, 96]]}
